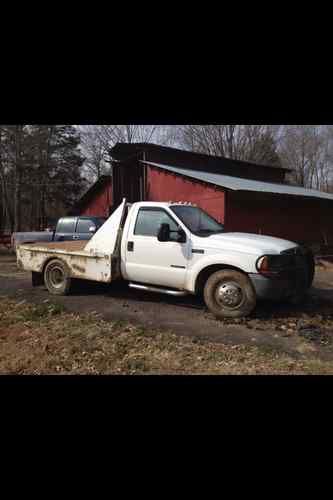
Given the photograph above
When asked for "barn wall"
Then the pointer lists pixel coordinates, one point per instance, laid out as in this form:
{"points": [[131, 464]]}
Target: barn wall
{"points": [[164, 186], [295, 219], [100, 203]]}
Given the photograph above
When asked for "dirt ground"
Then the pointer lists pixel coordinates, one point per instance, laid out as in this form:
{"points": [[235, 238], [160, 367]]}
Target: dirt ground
{"points": [[300, 332], [45, 339]]}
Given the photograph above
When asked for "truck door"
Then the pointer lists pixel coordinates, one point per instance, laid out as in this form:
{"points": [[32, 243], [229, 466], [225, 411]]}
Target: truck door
{"points": [[85, 229], [65, 229], [149, 260]]}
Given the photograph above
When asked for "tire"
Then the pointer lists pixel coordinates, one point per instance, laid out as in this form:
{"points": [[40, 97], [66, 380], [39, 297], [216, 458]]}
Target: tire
{"points": [[57, 278], [229, 294]]}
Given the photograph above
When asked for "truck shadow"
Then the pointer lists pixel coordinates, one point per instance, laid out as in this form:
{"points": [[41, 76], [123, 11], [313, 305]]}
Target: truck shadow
{"points": [[319, 301], [120, 290]]}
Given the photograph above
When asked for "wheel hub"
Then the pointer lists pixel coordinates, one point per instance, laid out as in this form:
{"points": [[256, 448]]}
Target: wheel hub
{"points": [[229, 294], [56, 277]]}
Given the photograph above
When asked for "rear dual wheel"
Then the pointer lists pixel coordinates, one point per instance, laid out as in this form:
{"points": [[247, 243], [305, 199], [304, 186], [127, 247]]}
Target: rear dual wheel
{"points": [[229, 294], [57, 277]]}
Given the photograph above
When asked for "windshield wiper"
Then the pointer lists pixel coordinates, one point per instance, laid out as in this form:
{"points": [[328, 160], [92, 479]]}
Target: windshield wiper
{"points": [[211, 231], [207, 232]]}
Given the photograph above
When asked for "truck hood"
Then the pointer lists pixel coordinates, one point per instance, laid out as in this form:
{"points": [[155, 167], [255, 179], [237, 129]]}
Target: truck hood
{"points": [[244, 242]]}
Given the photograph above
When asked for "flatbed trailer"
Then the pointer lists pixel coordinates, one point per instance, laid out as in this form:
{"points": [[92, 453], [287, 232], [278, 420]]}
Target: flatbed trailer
{"points": [[53, 261], [80, 263]]}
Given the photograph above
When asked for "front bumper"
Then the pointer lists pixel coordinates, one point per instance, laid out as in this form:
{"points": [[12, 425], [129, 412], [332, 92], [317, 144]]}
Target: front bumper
{"points": [[280, 288]]}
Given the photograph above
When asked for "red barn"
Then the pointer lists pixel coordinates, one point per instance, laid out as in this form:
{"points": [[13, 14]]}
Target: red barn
{"points": [[98, 199], [242, 195]]}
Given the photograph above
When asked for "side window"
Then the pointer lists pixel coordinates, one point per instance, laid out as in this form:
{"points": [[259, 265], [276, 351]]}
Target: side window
{"points": [[66, 226], [149, 220], [84, 225]]}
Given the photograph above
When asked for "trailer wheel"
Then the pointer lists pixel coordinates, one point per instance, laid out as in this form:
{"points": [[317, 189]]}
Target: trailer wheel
{"points": [[57, 278], [229, 294]]}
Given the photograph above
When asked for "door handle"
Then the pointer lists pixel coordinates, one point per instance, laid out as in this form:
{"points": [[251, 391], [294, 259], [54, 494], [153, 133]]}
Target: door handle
{"points": [[130, 246], [76, 237]]}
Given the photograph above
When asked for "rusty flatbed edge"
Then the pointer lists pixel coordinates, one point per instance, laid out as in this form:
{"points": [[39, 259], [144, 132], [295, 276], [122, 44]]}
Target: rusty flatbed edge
{"points": [[67, 246]]}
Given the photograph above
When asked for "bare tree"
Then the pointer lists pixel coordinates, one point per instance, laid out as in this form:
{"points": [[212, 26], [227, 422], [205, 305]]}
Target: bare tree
{"points": [[308, 151], [242, 142], [111, 134], [94, 145], [97, 140]]}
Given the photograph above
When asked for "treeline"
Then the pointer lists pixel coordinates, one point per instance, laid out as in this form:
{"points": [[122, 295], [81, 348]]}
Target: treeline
{"points": [[40, 174]]}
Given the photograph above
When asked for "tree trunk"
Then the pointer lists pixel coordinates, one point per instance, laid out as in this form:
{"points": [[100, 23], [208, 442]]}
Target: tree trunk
{"points": [[230, 140], [7, 213], [18, 178]]}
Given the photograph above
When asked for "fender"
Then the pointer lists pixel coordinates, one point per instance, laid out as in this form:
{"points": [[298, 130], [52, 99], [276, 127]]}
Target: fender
{"points": [[245, 264]]}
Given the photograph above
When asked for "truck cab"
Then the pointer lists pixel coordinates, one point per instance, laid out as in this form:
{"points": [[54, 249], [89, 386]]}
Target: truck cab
{"points": [[180, 246]]}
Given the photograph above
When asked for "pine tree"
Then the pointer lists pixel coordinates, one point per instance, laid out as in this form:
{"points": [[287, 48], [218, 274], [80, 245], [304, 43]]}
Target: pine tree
{"points": [[40, 173]]}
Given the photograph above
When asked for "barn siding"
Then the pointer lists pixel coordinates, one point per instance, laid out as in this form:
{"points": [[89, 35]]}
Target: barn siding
{"points": [[295, 219], [100, 203], [164, 186]]}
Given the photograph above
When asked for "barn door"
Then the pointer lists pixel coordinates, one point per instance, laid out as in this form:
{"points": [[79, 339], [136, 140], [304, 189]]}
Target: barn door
{"points": [[128, 182]]}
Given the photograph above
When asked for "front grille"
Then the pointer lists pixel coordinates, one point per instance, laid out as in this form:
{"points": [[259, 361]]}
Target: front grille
{"points": [[299, 255], [300, 271], [297, 251]]}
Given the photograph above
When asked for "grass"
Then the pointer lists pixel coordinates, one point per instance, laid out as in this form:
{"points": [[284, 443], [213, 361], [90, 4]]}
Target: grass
{"points": [[45, 339]]}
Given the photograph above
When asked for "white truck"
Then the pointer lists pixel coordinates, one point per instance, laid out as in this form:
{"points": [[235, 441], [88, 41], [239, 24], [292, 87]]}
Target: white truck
{"points": [[176, 248]]}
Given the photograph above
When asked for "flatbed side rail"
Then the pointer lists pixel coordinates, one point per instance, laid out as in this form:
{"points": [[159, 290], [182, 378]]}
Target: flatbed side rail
{"points": [[81, 265]]}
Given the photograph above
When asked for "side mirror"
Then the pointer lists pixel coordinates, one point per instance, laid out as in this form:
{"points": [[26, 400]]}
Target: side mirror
{"points": [[164, 233], [92, 229], [181, 236]]}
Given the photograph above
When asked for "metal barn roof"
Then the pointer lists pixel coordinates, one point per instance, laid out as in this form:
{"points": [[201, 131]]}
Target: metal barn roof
{"points": [[239, 184], [122, 151]]}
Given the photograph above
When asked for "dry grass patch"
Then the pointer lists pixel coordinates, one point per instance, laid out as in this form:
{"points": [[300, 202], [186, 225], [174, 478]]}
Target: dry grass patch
{"points": [[45, 339]]}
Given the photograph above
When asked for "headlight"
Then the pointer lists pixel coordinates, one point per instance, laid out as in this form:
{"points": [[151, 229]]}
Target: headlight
{"points": [[272, 265]]}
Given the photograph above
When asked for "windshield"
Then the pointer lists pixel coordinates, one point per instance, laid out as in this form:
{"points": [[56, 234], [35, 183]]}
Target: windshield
{"points": [[197, 221]]}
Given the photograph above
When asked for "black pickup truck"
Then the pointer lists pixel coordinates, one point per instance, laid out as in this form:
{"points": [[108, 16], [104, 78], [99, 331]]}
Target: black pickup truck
{"points": [[77, 228], [67, 228]]}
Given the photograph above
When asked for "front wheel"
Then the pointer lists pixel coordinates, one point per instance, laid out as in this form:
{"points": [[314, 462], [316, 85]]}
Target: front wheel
{"points": [[229, 294], [57, 278]]}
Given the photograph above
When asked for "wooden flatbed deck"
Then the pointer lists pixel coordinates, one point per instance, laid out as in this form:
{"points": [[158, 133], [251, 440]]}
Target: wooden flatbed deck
{"points": [[67, 246]]}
